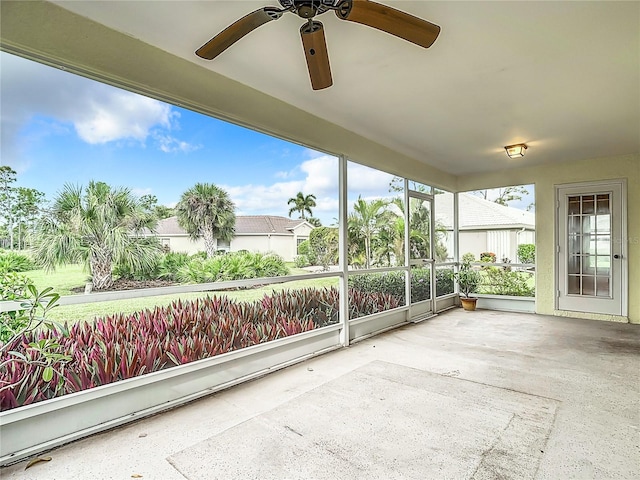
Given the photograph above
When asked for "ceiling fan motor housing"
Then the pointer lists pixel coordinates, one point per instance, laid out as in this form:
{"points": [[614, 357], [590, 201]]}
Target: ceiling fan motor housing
{"points": [[310, 8]]}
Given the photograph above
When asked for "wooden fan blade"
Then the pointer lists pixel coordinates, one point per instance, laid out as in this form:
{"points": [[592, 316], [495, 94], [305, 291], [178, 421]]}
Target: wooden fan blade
{"points": [[315, 51], [236, 31], [390, 20]]}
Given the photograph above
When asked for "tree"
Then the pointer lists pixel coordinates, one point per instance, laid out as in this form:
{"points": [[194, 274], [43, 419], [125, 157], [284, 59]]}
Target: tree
{"points": [[419, 233], [28, 205], [323, 246], [100, 226], [365, 222], [162, 212], [504, 195], [7, 198], [314, 221], [302, 204], [150, 202], [206, 211]]}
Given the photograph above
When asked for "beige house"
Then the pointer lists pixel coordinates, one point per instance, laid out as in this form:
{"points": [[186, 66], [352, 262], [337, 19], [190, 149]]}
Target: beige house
{"points": [[484, 226], [256, 233]]}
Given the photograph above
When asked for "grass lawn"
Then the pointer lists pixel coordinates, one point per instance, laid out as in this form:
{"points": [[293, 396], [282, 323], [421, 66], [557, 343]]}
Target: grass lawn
{"points": [[65, 278], [62, 279]]}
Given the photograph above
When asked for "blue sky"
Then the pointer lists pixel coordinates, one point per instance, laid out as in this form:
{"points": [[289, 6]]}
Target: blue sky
{"points": [[60, 128]]}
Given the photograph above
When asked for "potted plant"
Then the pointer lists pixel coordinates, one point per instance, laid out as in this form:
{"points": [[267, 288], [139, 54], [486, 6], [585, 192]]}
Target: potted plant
{"points": [[468, 282]]}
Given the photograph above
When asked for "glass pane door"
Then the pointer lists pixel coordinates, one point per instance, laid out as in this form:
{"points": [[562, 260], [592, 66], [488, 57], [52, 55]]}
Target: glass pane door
{"points": [[591, 252], [589, 245]]}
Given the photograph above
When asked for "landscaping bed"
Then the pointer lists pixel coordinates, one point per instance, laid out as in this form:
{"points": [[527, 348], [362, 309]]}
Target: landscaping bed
{"points": [[129, 284], [121, 346]]}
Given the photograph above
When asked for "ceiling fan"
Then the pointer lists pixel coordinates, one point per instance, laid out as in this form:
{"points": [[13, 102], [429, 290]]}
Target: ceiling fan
{"points": [[365, 12]]}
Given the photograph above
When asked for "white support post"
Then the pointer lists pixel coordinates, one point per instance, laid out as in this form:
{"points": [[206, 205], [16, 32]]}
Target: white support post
{"points": [[407, 253], [456, 239], [432, 250], [342, 249]]}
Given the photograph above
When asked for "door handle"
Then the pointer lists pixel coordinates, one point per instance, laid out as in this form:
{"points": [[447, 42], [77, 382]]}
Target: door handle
{"points": [[616, 256]]}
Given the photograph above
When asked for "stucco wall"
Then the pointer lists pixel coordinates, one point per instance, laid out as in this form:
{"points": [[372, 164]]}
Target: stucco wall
{"points": [[545, 178], [183, 244], [472, 242], [283, 245]]}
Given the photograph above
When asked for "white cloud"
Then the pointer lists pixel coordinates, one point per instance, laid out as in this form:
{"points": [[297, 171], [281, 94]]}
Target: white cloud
{"points": [[317, 176], [321, 175], [263, 198], [169, 144], [117, 115], [98, 113], [367, 181], [283, 174]]}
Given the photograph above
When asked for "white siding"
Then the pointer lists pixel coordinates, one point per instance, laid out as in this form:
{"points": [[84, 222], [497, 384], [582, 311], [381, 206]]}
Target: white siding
{"points": [[499, 242], [526, 237]]}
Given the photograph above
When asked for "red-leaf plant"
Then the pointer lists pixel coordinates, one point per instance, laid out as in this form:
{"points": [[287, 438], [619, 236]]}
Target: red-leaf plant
{"points": [[123, 346]]}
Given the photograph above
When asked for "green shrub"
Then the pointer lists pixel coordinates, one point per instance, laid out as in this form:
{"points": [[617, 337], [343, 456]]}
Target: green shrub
{"points": [[304, 247], [468, 280], [468, 258], [392, 283], [11, 261], [499, 281], [171, 263], [527, 253], [301, 261], [488, 257], [165, 266], [444, 281], [199, 270], [202, 255], [323, 246], [232, 266], [13, 286], [121, 270]]}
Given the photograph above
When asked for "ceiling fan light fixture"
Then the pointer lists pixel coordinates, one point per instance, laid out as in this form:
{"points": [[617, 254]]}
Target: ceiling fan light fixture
{"points": [[515, 151]]}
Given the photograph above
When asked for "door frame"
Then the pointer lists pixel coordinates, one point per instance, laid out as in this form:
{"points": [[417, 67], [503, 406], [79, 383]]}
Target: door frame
{"points": [[418, 310], [623, 264]]}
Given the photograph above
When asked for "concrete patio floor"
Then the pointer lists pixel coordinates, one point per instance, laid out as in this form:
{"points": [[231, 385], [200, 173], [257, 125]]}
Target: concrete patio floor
{"points": [[481, 395]]}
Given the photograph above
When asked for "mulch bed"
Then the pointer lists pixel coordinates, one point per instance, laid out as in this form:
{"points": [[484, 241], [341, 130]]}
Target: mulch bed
{"points": [[124, 284]]}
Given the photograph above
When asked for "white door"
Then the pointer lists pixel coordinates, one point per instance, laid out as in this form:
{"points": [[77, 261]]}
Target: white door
{"points": [[591, 253]]}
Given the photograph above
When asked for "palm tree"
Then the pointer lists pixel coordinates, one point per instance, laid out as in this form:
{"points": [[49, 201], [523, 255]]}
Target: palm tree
{"points": [[365, 221], [419, 242], [98, 226], [206, 211], [302, 203]]}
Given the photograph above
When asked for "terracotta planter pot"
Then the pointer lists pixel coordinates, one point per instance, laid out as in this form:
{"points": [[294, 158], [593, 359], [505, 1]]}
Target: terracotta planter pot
{"points": [[468, 303]]}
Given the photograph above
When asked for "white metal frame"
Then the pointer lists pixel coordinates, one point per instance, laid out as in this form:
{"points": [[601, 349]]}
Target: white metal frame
{"points": [[425, 308]]}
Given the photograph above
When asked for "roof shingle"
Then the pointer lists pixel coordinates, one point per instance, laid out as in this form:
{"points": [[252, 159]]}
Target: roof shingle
{"points": [[245, 224]]}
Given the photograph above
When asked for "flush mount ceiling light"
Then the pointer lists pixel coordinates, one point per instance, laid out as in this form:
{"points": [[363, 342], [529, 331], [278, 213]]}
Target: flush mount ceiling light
{"points": [[515, 151]]}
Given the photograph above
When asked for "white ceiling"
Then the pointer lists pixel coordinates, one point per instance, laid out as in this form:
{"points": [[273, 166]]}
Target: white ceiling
{"points": [[563, 77]]}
